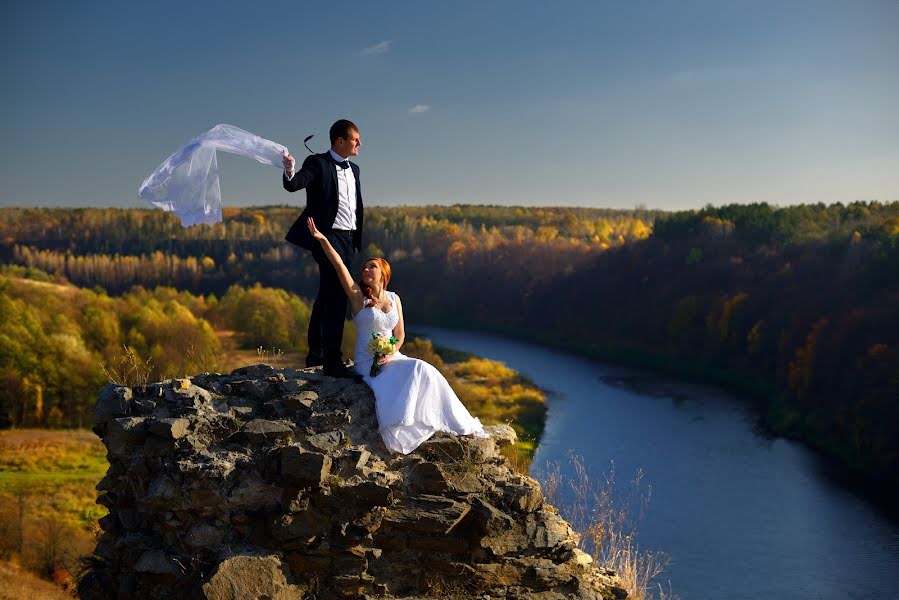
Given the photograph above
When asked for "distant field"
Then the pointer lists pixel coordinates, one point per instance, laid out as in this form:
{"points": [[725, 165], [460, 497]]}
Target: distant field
{"points": [[57, 470], [35, 451], [48, 513]]}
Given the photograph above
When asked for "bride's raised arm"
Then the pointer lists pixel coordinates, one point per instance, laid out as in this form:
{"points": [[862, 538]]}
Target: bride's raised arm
{"points": [[353, 292]]}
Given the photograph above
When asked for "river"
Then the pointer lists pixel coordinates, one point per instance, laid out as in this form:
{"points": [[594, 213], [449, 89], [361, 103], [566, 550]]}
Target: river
{"points": [[742, 515]]}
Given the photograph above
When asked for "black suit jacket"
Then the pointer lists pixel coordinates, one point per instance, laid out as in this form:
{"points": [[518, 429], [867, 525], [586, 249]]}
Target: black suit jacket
{"points": [[318, 176]]}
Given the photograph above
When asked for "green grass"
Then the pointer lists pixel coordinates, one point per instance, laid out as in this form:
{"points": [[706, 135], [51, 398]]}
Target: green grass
{"points": [[56, 471]]}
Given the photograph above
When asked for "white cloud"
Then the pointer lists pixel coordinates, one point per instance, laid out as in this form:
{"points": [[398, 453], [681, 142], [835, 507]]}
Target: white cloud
{"points": [[419, 108], [379, 48]]}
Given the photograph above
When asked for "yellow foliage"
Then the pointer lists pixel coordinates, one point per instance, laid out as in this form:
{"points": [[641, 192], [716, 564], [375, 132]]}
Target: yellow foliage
{"points": [[492, 392], [484, 371], [891, 226], [754, 337], [727, 311], [639, 230]]}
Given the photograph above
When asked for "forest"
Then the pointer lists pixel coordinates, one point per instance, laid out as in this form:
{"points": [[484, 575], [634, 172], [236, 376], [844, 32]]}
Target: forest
{"points": [[794, 307], [60, 343]]}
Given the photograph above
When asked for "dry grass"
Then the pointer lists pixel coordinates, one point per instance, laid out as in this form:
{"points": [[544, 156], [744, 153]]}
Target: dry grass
{"points": [[607, 524], [128, 369], [18, 584]]}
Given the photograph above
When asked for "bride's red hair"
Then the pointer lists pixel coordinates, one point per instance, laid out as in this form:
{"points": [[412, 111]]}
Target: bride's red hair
{"points": [[385, 277]]}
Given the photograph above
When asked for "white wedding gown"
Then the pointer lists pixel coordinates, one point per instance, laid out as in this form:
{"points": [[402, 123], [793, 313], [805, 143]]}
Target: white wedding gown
{"points": [[412, 399]]}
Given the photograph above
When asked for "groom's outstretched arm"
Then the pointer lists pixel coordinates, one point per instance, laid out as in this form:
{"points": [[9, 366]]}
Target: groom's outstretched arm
{"points": [[302, 178]]}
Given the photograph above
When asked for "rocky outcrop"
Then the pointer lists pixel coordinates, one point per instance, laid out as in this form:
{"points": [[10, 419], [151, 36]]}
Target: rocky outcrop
{"points": [[275, 484]]}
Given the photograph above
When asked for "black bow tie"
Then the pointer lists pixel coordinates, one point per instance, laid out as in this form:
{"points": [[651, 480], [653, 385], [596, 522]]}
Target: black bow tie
{"points": [[343, 165]]}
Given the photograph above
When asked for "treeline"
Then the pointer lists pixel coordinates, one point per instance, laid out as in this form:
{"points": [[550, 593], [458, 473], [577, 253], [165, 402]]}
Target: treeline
{"points": [[798, 307], [142, 231], [116, 249]]}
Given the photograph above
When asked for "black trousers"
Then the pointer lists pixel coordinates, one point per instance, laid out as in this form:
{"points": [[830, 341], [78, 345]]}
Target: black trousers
{"points": [[329, 309]]}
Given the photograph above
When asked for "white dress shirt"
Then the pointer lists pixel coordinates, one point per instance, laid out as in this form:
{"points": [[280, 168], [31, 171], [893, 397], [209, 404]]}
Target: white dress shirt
{"points": [[346, 196]]}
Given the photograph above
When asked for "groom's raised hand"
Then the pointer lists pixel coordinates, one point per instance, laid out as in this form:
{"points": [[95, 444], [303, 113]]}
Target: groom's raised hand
{"points": [[289, 163]]}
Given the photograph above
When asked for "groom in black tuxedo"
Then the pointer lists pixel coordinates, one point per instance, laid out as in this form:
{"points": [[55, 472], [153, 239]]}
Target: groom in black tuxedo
{"points": [[334, 201]]}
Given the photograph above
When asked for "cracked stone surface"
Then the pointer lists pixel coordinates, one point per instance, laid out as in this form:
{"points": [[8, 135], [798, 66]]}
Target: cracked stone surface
{"points": [[274, 483]]}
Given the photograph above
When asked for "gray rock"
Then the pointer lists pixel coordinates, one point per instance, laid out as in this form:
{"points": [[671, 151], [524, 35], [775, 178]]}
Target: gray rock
{"points": [[428, 514], [242, 406], [255, 389], [182, 392], [204, 535], [303, 527], [442, 448], [330, 420], [503, 435], [169, 428], [162, 491], [252, 494], [333, 386], [546, 529], [256, 371], [352, 461], [261, 431], [157, 563], [279, 486], [294, 386], [361, 497], [113, 402], [243, 577], [328, 441], [428, 478], [301, 403], [145, 406], [124, 434], [523, 498], [491, 521], [304, 468]]}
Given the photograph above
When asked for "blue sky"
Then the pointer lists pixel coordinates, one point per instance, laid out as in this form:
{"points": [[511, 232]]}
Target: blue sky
{"points": [[670, 104]]}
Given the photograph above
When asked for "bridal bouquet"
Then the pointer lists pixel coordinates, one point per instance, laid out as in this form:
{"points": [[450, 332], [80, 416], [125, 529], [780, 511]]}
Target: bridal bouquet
{"points": [[378, 347]]}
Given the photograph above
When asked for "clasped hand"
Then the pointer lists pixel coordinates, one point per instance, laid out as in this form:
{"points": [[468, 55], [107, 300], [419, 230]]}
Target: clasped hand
{"points": [[289, 162]]}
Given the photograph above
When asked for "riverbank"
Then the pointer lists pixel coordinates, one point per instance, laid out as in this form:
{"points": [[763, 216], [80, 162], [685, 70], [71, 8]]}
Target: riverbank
{"points": [[727, 501], [490, 391], [773, 415]]}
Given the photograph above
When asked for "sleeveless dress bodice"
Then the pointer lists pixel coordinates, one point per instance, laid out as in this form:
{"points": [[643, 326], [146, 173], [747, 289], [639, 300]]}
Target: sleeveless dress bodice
{"points": [[412, 398], [372, 319]]}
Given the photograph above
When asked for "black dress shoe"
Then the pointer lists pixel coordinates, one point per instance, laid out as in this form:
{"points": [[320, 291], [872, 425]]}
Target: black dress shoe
{"points": [[341, 370], [313, 361]]}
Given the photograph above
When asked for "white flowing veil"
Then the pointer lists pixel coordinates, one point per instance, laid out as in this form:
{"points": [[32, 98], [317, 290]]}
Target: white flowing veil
{"points": [[187, 183]]}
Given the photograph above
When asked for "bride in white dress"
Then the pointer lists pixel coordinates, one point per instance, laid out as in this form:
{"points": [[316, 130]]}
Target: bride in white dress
{"points": [[412, 399]]}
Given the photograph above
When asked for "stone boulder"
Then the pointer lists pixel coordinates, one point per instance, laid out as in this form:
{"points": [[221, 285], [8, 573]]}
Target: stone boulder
{"points": [[275, 484]]}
